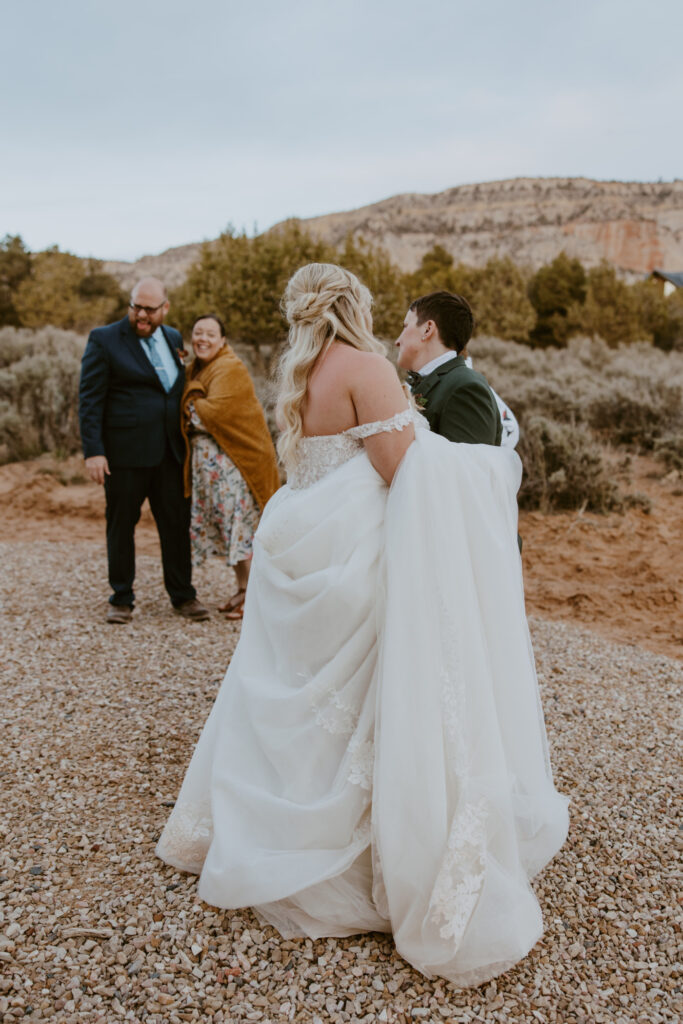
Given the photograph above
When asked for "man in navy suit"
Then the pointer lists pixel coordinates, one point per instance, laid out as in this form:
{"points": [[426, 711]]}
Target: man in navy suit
{"points": [[132, 380]]}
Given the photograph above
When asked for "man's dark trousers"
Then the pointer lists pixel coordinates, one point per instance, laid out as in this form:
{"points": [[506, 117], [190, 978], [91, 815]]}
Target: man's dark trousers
{"points": [[126, 490]]}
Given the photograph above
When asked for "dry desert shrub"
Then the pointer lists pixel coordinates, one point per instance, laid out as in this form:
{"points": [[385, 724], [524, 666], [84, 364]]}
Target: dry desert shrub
{"points": [[643, 399], [630, 396], [39, 372], [669, 450], [635, 412], [564, 469], [567, 400]]}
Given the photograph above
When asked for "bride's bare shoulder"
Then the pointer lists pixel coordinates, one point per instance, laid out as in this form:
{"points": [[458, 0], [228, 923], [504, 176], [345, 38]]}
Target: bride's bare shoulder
{"points": [[370, 377], [353, 361]]}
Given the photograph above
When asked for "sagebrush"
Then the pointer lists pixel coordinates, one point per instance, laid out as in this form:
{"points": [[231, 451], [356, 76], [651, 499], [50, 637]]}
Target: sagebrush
{"points": [[570, 403], [39, 373]]}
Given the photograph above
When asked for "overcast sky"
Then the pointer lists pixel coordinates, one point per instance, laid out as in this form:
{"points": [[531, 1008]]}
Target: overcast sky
{"points": [[129, 126]]}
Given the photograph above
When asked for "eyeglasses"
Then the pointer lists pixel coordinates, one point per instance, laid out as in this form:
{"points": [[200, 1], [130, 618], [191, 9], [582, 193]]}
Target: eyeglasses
{"points": [[145, 309]]}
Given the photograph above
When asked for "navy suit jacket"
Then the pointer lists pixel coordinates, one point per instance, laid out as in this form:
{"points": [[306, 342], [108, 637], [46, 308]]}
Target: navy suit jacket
{"points": [[124, 411]]}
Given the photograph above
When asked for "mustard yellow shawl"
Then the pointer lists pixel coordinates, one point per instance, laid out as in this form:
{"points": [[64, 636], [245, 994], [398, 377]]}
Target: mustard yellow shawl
{"points": [[225, 401]]}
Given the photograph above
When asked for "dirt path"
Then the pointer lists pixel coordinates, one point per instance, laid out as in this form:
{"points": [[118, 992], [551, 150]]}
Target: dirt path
{"points": [[619, 575]]}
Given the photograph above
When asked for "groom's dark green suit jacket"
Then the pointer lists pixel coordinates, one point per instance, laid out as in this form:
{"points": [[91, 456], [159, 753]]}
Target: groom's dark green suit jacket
{"points": [[459, 404]]}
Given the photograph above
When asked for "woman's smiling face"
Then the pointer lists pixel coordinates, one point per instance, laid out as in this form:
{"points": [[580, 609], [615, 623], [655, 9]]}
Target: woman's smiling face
{"points": [[207, 340]]}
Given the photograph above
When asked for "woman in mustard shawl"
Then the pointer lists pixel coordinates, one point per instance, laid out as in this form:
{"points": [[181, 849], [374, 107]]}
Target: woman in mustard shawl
{"points": [[230, 464]]}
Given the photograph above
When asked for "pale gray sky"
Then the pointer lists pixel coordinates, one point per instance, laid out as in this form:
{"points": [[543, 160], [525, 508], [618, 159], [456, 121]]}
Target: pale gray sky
{"points": [[135, 125]]}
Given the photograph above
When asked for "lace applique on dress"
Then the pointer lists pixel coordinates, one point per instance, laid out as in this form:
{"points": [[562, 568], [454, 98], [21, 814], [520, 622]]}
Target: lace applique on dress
{"points": [[362, 833], [461, 876], [362, 763], [338, 712], [454, 705], [398, 422], [339, 716], [187, 836], [320, 454], [333, 713]]}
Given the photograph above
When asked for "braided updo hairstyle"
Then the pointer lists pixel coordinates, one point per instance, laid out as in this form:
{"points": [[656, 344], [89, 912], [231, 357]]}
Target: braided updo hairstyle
{"points": [[322, 303]]}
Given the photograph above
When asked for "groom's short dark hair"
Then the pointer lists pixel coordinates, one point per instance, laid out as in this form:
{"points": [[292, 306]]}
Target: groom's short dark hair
{"points": [[451, 314]]}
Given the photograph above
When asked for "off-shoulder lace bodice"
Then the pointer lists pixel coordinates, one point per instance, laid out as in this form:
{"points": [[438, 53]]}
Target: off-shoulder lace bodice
{"points": [[320, 454]]}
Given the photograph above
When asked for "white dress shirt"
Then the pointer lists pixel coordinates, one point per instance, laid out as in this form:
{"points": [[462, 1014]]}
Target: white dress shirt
{"points": [[445, 357]]}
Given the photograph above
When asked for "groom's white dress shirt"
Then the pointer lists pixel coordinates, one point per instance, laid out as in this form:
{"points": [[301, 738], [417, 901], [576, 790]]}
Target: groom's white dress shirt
{"points": [[445, 357]]}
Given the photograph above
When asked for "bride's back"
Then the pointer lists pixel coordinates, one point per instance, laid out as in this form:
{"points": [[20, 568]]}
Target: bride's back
{"points": [[329, 387], [347, 387], [329, 406]]}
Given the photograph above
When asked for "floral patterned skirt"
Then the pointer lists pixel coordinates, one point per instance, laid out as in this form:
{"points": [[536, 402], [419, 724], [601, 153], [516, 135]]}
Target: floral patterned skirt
{"points": [[224, 514]]}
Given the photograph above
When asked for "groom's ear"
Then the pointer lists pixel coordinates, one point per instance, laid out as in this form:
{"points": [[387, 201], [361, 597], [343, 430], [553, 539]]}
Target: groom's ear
{"points": [[429, 330]]}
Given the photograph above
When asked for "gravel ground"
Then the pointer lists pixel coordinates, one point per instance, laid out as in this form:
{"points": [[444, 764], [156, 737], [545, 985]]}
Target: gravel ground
{"points": [[98, 725]]}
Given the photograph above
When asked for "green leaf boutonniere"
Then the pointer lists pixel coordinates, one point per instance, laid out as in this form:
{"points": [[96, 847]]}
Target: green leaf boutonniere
{"points": [[420, 401]]}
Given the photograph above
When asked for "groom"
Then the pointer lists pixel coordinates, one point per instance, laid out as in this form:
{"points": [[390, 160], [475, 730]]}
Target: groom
{"points": [[456, 400]]}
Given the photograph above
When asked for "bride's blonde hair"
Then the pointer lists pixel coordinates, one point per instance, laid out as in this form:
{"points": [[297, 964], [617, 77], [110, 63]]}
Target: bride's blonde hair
{"points": [[322, 303]]}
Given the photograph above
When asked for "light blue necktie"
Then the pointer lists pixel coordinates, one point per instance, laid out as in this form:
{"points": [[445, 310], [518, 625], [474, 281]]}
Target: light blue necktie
{"points": [[155, 356]]}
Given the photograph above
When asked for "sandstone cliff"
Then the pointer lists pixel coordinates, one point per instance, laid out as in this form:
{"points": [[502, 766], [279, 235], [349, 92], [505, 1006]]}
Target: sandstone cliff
{"points": [[171, 266], [636, 226]]}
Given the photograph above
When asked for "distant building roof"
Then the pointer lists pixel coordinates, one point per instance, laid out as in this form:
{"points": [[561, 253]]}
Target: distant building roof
{"points": [[676, 279]]}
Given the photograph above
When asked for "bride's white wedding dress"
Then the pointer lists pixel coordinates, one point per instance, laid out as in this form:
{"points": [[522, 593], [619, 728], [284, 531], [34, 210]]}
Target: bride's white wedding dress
{"points": [[376, 757]]}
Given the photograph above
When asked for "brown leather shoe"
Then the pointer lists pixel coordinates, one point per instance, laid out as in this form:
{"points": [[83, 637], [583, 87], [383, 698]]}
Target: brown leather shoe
{"points": [[119, 613], [192, 610]]}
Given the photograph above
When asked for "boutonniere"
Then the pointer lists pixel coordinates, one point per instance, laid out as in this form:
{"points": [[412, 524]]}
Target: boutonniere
{"points": [[420, 401]]}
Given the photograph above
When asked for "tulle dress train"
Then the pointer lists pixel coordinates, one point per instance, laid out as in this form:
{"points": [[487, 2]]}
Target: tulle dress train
{"points": [[376, 757]]}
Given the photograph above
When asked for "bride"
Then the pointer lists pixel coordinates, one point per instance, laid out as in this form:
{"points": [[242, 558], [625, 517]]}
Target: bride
{"points": [[376, 758]]}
